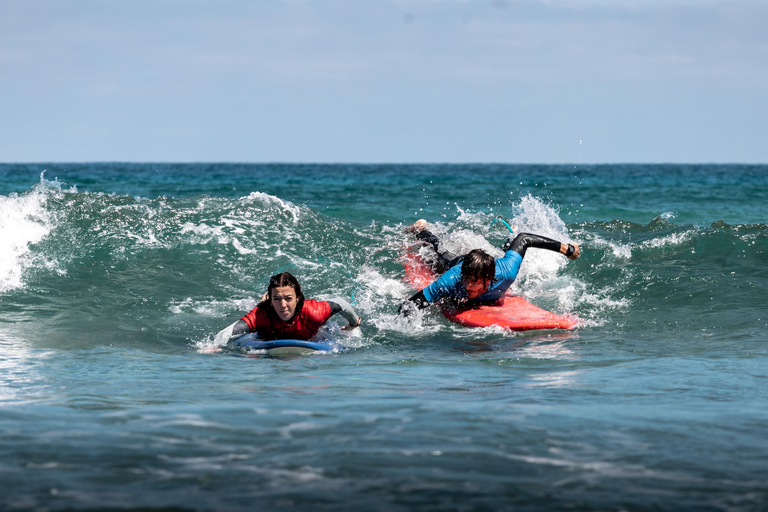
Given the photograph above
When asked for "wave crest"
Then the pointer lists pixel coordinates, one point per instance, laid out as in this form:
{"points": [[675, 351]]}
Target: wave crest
{"points": [[25, 220]]}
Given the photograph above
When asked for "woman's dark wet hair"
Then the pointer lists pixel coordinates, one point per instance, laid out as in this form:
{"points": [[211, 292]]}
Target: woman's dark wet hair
{"points": [[278, 281], [478, 266]]}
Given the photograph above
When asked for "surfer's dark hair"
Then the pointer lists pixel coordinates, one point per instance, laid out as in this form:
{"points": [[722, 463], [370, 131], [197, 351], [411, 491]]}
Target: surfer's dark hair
{"points": [[278, 281], [478, 265]]}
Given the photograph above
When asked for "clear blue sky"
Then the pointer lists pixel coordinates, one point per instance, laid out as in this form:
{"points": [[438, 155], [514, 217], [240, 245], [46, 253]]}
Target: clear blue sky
{"points": [[581, 81]]}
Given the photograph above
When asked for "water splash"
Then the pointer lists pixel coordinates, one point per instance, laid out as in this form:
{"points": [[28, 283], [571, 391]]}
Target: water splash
{"points": [[25, 220]]}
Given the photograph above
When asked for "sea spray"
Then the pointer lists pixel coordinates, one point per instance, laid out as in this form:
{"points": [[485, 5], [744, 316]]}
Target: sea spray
{"points": [[25, 220]]}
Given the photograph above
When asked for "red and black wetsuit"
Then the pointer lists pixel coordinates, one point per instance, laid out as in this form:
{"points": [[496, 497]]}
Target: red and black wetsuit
{"points": [[303, 326]]}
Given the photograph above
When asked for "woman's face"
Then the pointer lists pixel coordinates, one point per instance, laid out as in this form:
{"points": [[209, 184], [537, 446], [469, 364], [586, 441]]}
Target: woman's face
{"points": [[284, 301]]}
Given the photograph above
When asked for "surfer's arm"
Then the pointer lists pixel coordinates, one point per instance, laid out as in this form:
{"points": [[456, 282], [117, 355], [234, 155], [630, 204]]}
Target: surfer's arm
{"points": [[232, 331], [339, 305], [507, 269], [254, 321], [523, 241], [417, 299], [447, 285]]}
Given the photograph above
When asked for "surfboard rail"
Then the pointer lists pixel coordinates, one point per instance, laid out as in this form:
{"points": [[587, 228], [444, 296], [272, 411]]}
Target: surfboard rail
{"points": [[252, 341]]}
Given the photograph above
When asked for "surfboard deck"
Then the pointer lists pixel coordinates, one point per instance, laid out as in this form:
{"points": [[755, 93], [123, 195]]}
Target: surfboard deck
{"points": [[511, 312], [282, 347]]}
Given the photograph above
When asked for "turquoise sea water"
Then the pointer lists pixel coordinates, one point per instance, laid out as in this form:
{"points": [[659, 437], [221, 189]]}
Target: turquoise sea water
{"points": [[114, 279]]}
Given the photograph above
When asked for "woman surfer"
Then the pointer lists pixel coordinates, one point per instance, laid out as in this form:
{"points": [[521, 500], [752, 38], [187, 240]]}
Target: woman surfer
{"points": [[284, 313]]}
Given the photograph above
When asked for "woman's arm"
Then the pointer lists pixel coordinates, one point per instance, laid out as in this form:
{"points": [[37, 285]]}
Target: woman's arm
{"points": [[232, 331], [339, 305]]}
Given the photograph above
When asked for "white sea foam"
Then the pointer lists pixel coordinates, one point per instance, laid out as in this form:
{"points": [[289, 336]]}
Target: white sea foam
{"points": [[204, 231], [623, 251], [212, 308], [463, 241], [669, 240], [24, 220], [241, 249], [271, 201], [535, 216], [379, 298], [160, 224]]}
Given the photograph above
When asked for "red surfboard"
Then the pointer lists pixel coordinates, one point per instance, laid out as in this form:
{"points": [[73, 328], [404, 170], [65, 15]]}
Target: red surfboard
{"points": [[511, 312]]}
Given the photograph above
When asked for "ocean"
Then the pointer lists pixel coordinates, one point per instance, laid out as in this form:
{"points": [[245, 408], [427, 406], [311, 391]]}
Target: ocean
{"points": [[115, 277]]}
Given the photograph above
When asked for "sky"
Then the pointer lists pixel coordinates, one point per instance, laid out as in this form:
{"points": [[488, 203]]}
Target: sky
{"points": [[379, 81]]}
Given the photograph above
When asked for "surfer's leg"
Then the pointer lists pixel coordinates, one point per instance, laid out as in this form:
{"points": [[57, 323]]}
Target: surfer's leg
{"points": [[446, 259], [427, 236]]}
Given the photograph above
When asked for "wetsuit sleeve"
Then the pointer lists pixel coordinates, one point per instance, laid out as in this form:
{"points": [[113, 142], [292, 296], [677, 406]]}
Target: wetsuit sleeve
{"points": [[240, 328], [418, 299], [232, 331], [339, 305], [507, 269], [523, 241], [446, 285], [427, 236]]}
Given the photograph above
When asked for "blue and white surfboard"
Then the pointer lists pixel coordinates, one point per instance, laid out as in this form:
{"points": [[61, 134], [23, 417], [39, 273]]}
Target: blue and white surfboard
{"points": [[282, 347]]}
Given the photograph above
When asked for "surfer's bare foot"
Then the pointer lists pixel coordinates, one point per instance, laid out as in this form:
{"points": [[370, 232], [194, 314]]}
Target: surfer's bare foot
{"points": [[417, 227]]}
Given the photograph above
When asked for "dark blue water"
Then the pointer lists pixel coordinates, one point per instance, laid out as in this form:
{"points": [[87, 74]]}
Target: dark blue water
{"points": [[114, 279]]}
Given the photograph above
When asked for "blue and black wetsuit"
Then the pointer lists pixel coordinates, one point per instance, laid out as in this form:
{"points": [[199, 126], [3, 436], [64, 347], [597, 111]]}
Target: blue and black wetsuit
{"points": [[450, 285]]}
